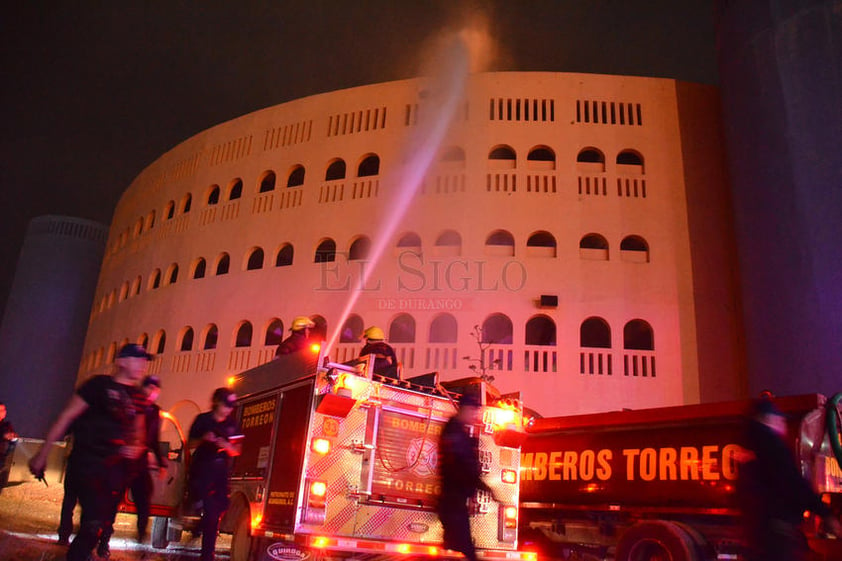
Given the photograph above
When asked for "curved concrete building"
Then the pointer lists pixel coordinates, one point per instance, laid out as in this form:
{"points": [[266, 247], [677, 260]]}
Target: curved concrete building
{"points": [[46, 315], [572, 237]]}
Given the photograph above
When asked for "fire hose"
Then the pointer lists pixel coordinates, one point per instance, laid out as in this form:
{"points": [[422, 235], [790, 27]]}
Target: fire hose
{"points": [[832, 421]]}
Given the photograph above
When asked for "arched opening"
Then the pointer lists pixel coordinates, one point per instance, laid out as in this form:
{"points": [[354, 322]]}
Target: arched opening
{"points": [[236, 189], [243, 336], [540, 330], [541, 244], [274, 333], [634, 248], [186, 343], [370, 165], [223, 264], [172, 274], [638, 335], [284, 257], [409, 239], [296, 176], [255, 260], [501, 243], [213, 195], [402, 329], [336, 170], [449, 243], [352, 329], [326, 251], [443, 329], [453, 154], [541, 158], [590, 160], [595, 333], [169, 210], [319, 332], [160, 342], [199, 268], [267, 182], [155, 279], [150, 220], [502, 157], [630, 158], [211, 337], [594, 247], [497, 330], [359, 249], [186, 203]]}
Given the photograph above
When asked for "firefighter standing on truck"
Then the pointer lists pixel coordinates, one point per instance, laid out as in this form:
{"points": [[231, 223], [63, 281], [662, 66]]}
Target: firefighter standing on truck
{"points": [[460, 475], [385, 359], [215, 437], [299, 338], [773, 494]]}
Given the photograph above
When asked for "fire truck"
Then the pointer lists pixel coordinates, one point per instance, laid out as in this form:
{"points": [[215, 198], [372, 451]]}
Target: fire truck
{"points": [[338, 462], [657, 484]]}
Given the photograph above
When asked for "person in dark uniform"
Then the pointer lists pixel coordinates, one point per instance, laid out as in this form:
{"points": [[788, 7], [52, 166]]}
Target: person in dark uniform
{"points": [[385, 359], [460, 473], [108, 440], [772, 493], [141, 484], [214, 439], [68, 504], [8, 437], [299, 338]]}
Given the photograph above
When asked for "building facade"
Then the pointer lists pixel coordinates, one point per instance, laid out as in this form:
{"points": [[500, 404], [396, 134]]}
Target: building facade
{"points": [[572, 238]]}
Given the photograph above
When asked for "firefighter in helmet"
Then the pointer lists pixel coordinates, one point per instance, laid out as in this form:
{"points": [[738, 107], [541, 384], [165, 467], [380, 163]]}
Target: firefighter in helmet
{"points": [[385, 360], [299, 338]]}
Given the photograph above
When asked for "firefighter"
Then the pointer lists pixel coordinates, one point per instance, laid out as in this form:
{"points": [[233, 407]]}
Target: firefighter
{"points": [[105, 413], [299, 338], [460, 475], [8, 437], [385, 360], [214, 437], [772, 493]]}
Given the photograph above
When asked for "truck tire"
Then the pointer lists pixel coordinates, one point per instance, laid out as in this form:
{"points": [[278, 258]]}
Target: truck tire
{"points": [[159, 534], [658, 540], [241, 538]]}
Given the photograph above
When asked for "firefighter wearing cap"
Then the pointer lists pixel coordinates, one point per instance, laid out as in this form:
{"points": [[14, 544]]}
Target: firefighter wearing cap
{"points": [[214, 439], [298, 338], [385, 360], [107, 421], [772, 493], [460, 472]]}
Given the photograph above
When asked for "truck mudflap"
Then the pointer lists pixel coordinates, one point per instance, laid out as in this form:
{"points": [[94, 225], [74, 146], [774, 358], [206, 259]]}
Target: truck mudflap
{"points": [[302, 548]]}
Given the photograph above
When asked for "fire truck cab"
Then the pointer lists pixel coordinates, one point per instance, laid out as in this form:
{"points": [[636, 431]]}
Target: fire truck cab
{"points": [[338, 462]]}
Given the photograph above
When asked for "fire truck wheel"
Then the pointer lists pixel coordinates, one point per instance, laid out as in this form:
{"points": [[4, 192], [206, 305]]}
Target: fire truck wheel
{"points": [[658, 540], [159, 536], [241, 540]]}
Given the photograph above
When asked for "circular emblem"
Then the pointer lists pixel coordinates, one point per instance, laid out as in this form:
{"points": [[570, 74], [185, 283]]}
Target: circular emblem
{"points": [[423, 456], [286, 552]]}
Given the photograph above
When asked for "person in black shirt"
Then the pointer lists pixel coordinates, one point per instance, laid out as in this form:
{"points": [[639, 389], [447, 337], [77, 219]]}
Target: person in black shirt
{"points": [[299, 337], [214, 439], [460, 473], [108, 440], [7, 440], [772, 493], [385, 360]]}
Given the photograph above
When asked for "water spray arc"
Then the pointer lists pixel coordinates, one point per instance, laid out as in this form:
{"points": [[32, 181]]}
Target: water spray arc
{"points": [[445, 92]]}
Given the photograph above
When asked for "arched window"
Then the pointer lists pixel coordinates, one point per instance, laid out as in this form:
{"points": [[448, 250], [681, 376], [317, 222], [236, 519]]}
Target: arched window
{"points": [[402, 329], [590, 156], [136, 286], [138, 227], [124, 291], [150, 220], [267, 182], [630, 158], [638, 335], [284, 257], [497, 330], [143, 340], [172, 274], [541, 244], [443, 329], [243, 337], [500, 242], [502, 152], [296, 176], [274, 333], [155, 279], [453, 154], [211, 337], [236, 190], [169, 210], [199, 268], [336, 170], [541, 157], [160, 343], [595, 333], [359, 248], [223, 264], [112, 351], [186, 203], [593, 241], [410, 239], [255, 260], [449, 242], [634, 243], [326, 251], [186, 343], [319, 332], [112, 296], [352, 329], [540, 330], [370, 165], [213, 195]]}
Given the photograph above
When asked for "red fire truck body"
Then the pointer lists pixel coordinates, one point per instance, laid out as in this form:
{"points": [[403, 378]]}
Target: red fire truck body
{"points": [[658, 483], [337, 462]]}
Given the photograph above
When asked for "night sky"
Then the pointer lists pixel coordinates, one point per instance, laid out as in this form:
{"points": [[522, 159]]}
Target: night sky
{"points": [[94, 91]]}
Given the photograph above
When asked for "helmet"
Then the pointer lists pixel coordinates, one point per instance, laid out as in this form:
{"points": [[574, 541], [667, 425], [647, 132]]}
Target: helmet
{"points": [[374, 333], [301, 322]]}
